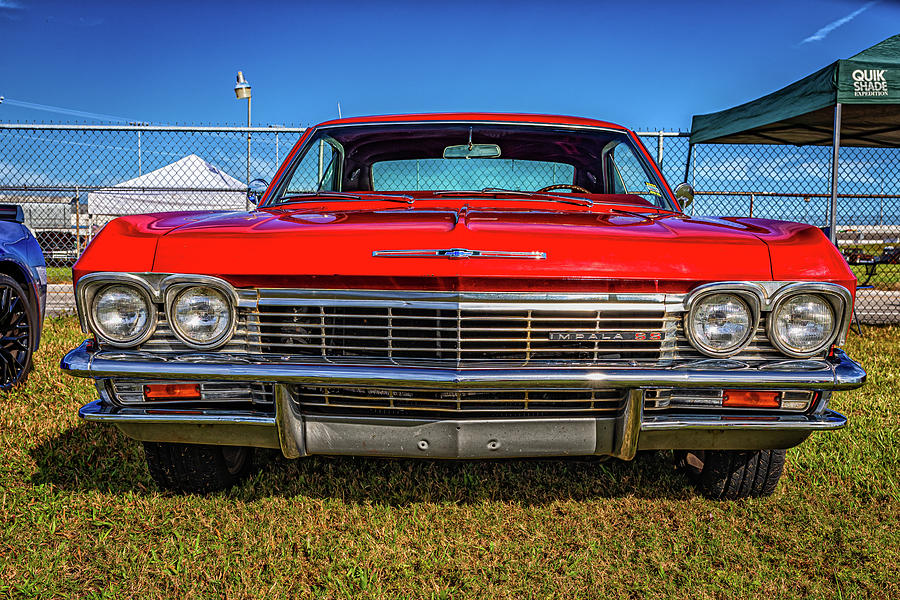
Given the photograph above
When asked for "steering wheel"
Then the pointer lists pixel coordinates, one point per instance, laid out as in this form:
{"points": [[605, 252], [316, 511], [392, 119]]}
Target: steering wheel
{"points": [[561, 186]]}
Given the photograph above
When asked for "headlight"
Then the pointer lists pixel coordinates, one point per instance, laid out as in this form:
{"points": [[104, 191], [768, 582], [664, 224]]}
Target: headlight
{"points": [[802, 325], [720, 324], [201, 316], [122, 314]]}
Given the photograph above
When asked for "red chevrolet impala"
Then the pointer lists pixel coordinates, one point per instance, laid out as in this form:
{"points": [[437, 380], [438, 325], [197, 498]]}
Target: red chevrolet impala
{"points": [[465, 286]]}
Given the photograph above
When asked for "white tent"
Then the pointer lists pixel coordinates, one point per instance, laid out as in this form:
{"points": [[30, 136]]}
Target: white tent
{"points": [[190, 183]]}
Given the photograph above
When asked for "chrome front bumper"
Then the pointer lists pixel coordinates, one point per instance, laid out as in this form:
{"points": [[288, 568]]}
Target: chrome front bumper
{"points": [[838, 373], [621, 436]]}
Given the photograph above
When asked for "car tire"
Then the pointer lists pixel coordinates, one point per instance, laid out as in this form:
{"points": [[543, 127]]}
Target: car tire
{"points": [[17, 333], [197, 468], [733, 474]]}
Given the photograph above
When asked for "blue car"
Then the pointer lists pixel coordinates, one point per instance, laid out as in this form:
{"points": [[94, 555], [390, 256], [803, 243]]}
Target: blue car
{"points": [[23, 294]]}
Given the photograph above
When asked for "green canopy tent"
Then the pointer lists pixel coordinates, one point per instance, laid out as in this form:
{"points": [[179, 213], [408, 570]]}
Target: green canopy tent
{"points": [[854, 102]]}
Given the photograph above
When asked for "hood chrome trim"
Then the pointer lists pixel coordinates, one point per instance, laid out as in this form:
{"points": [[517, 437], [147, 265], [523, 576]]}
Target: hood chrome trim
{"points": [[458, 253]]}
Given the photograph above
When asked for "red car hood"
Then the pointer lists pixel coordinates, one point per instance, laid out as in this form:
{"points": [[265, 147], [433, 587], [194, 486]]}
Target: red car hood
{"points": [[332, 246]]}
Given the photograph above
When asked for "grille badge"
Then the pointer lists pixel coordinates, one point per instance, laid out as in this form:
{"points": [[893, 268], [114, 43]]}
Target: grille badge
{"points": [[595, 336], [458, 253]]}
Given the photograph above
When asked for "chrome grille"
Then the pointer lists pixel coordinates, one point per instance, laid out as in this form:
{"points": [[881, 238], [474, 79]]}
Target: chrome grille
{"points": [[664, 399], [131, 392], [458, 403], [656, 400], [416, 331]]}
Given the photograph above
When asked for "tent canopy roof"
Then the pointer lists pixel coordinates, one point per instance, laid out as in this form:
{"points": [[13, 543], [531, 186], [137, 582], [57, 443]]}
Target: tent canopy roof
{"points": [[867, 85], [189, 183], [190, 171]]}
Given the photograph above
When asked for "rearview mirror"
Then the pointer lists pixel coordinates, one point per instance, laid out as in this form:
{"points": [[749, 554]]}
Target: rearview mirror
{"points": [[684, 193], [256, 189], [472, 151]]}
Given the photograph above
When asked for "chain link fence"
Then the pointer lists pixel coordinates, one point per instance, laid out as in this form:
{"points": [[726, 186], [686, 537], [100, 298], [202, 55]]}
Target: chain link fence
{"points": [[72, 179], [793, 183]]}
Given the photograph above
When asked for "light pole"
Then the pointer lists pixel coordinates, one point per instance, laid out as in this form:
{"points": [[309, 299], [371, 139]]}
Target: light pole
{"points": [[241, 91]]}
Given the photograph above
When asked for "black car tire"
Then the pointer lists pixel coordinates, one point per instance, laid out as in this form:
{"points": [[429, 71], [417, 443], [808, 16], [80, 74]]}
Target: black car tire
{"points": [[18, 330], [197, 468], [733, 474]]}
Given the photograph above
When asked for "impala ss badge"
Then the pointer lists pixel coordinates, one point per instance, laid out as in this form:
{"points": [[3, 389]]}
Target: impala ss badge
{"points": [[600, 336], [458, 253]]}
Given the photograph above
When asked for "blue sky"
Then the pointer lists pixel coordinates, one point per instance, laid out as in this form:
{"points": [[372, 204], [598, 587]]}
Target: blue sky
{"points": [[643, 64]]}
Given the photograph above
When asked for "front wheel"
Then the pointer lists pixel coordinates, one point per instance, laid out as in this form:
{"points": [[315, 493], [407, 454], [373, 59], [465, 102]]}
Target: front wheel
{"points": [[197, 468], [733, 474], [17, 333]]}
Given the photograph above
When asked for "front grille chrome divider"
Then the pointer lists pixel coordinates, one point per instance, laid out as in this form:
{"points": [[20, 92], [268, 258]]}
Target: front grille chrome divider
{"points": [[463, 328], [461, 403]]}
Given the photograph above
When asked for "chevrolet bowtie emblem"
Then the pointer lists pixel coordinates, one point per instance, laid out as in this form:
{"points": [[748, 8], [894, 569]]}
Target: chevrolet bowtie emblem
{"points": [[458, 253]]}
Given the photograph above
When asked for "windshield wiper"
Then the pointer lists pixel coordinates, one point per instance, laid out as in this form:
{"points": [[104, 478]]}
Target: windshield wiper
{"points": [[636, 214], [492, 190], [631, 213], [408, 200], [557, 197]]}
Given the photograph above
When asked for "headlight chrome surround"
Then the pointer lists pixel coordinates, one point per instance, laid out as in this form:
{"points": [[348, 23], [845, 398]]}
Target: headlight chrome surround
{"points": [[832, 300], [766, 298], [159, 289], [747, 294], [135, 340], [176, 291]]}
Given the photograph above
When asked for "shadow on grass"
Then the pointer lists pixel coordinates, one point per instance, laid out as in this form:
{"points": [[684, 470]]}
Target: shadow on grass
{"points": [[88, 457], [92, 457]]}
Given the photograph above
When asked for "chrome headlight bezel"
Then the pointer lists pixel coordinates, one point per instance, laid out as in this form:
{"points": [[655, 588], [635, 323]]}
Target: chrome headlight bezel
{"points": [[159, 288], [747, 295], [833, 300], [136, 340], [174, 291]]}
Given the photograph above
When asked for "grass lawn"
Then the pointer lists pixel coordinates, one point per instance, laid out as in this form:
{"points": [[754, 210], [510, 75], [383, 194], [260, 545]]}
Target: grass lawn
{"points": [[886, 276], [79, 516], [59, 275]]}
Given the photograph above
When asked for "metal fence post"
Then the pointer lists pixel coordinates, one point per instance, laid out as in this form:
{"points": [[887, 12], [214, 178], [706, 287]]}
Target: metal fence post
{"points": [[659, 148], [77, 224]]}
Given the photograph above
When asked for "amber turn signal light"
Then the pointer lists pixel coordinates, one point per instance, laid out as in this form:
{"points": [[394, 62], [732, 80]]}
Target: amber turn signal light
{"points": [[172, 391], [751, 399]]}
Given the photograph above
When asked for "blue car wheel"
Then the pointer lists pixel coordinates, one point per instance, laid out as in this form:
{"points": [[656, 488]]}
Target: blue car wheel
{"points": [[16, 333]]}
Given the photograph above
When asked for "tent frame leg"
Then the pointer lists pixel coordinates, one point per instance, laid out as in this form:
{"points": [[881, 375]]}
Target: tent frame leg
{"points": [[835, 149]]}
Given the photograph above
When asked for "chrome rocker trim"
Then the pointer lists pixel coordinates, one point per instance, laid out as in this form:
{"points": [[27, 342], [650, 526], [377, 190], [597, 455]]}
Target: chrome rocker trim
{"points": [[836, 373]]}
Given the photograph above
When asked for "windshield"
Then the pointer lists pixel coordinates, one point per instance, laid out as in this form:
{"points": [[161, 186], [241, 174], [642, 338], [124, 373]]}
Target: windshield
{"points": [[452, 157]]}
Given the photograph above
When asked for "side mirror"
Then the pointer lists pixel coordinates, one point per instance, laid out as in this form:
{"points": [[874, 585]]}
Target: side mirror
{"points": [[684, 192], [256, 189]]}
